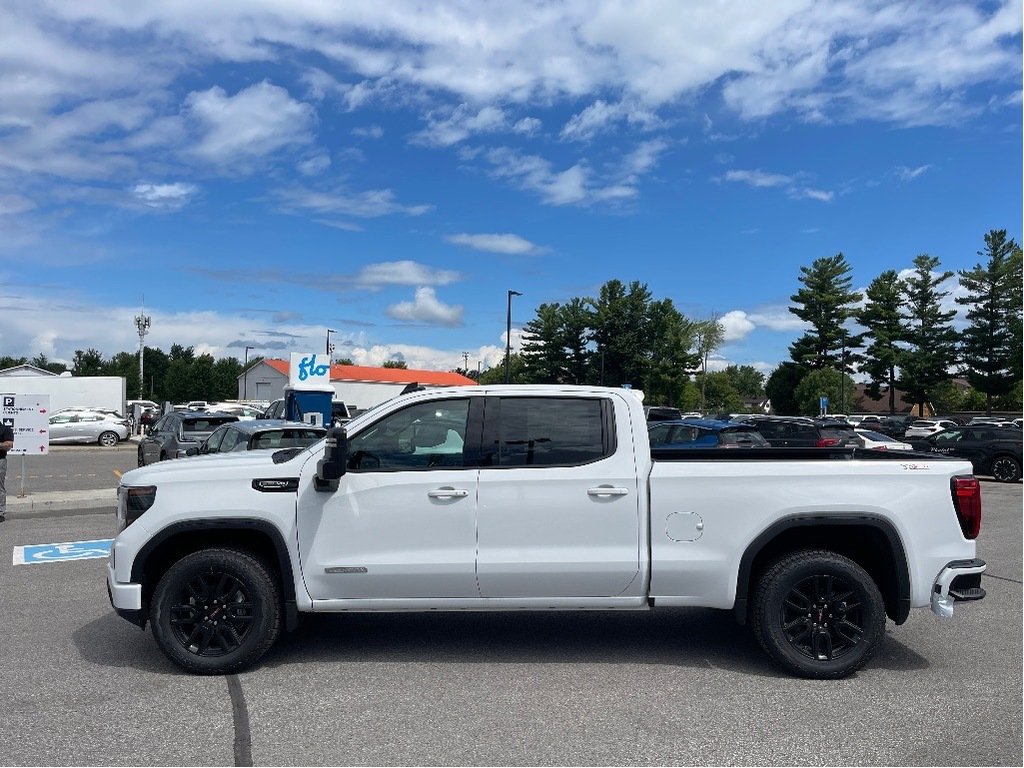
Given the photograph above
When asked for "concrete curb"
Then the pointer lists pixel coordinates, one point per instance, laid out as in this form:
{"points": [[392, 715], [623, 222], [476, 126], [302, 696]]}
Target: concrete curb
{"points": [[60, 503]]}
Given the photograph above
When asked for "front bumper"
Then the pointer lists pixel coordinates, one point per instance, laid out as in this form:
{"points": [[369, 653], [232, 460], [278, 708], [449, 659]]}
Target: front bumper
{"points": [[126, 599], [959, 581]]}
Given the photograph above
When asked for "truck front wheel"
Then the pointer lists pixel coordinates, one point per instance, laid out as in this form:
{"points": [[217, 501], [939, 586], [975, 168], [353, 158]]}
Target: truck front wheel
{"points": [[818, 614], [215, 611]]}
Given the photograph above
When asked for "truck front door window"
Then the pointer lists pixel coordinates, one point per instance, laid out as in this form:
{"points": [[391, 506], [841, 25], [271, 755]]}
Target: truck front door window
{"points": [[422, 436]]}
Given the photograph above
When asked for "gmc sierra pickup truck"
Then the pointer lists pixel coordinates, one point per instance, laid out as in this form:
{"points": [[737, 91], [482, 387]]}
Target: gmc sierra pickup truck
{"points": [[540, 498]]}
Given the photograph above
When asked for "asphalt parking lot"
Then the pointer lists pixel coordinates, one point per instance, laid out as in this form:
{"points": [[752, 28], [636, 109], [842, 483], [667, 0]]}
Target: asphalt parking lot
{"points": [[80, 686]]}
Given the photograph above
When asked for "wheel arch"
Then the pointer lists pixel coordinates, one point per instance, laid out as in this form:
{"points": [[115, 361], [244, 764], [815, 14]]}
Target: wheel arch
{"points": [[259, 538], [870, 541]]}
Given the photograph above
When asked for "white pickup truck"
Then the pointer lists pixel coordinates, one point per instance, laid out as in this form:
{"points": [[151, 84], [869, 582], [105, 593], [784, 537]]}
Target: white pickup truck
{"points": [[540, 498]]}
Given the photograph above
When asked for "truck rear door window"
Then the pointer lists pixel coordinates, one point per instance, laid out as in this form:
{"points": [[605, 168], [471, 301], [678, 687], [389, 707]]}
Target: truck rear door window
{"points": [[553, 431]]}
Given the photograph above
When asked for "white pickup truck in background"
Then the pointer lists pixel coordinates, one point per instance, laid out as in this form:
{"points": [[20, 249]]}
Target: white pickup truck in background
{"points": [[540, 498]]}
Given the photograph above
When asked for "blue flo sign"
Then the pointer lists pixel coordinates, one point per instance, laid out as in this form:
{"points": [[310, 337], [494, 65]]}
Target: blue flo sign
{"points": [[309, 371]]}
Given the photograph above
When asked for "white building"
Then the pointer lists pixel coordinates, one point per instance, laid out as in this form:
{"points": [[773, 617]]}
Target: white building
{"points": [[356, 385]]}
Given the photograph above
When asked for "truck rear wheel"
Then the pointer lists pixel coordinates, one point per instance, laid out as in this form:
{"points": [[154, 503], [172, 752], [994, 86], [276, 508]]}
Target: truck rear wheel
{"points": [[818, 614], [216, 611]]}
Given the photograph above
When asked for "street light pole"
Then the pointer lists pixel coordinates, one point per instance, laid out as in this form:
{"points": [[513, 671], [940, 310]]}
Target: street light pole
{"points": [[327, 349], [508, 333], [245, 375]]}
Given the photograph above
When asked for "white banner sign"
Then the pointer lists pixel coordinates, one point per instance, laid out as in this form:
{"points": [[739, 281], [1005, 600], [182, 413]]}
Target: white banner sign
{"points": [[309, 371], [29, 417]]}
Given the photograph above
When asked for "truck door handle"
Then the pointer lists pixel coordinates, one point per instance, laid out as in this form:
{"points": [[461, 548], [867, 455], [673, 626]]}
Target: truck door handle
{"points": [[607, 490], [448, 493]]}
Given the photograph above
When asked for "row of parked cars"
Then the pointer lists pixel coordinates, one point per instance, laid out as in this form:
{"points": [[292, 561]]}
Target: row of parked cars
{"points": [[993, 448]]}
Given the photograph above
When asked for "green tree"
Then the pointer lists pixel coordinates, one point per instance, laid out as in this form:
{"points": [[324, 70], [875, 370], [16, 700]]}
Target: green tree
{"points": [[6, 361], [990, 353], [401, 364], [719, 393], [781, 386], [747, 380], [544, 356], [670, 357], [620, 332], [931, 352], [125, 364], [516, 372], [708, 336], [825, 302], [823, 382], [41, 361], [88, 363], [880, 315], [225, 383]]}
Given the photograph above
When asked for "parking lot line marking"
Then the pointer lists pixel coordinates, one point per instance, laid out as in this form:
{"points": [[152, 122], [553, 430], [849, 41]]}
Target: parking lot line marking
{"points": [[63, 551]]}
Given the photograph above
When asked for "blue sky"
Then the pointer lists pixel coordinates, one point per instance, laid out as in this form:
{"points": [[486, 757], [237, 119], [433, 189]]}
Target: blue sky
{"points": [[259, 172]]}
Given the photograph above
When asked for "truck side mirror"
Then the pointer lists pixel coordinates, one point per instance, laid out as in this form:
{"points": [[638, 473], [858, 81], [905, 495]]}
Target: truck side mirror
{"points": [[332, 466]]}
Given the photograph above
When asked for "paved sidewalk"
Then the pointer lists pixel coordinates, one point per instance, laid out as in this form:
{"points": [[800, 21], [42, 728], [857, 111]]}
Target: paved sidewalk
{"points": [[50, 503]]}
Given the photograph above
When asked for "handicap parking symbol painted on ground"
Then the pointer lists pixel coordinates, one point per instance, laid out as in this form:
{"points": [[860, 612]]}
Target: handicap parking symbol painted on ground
{"points": [[62, 551]]}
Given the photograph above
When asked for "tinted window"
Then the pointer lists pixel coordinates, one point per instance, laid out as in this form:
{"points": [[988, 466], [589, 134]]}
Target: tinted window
{"points": [[551, 432], [421, 436], [744, 438], [206, 425], [233, 440]]}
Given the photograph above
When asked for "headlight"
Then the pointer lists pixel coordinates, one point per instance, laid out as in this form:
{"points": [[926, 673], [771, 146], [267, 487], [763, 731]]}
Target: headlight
{"points": [[132, 502]]}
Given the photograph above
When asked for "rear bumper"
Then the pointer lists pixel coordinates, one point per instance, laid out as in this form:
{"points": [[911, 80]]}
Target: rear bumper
{"points": [[959, 581]]}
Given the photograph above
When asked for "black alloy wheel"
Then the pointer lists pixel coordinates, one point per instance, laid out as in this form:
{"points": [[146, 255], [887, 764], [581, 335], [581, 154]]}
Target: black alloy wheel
{"points": [[818, 614], [1006, 469], [216, 611], [822, 618]]}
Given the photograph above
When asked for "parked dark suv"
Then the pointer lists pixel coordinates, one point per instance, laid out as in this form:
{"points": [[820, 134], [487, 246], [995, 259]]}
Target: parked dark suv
{"points": [[795, 432], [178, 434], [992, 450]]}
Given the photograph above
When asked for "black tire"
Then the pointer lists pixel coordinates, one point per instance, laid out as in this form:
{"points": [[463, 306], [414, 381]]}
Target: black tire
{"points": [[107, 439], [818, 614], [216, 611], [1006, 469]]}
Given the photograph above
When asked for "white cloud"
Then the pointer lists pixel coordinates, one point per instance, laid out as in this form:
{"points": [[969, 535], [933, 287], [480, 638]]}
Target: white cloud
{"points": [[759, 178], [254, 123], [903, 173], [737, 324], [368, 204], [426, 309], [165, 196], [448, 127], [403, 273], [368, 132], [314, 166], [14, 204], [528, 126], [576, 185], [601, 117], [496, 243], [791, 184]]}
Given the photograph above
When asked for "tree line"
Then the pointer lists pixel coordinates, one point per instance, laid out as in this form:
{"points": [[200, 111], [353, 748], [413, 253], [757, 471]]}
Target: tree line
{"points": [[899, 334]]}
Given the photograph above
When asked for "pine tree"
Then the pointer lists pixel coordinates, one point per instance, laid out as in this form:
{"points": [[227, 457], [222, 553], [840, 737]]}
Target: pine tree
{"points": [[885, 330], [826, 302], [931, 352], [989, 347]]}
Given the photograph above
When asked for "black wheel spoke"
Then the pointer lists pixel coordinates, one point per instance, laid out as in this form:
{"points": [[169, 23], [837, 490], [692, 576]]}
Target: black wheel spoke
{"points": [[213, 615], [820, 615]]}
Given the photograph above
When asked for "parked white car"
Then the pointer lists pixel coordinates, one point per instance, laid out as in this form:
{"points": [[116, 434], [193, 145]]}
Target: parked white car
{"points": [[87, 427], [881, 442], [927, 427]]}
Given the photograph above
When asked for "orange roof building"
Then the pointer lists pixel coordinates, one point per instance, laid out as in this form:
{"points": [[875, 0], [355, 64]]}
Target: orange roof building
{"points": [[359, 386]]}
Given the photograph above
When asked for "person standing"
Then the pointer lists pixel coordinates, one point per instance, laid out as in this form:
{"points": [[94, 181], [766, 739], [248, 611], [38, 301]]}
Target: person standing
{"points": [[6, 444]]}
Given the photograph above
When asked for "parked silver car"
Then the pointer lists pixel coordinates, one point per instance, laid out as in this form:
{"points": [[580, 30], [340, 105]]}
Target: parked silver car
{"points": [[87, 427]]}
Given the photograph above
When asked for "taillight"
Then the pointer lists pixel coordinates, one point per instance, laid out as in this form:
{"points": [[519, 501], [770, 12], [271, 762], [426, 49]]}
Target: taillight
{"points": [[828, 442], [966, 492]]}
